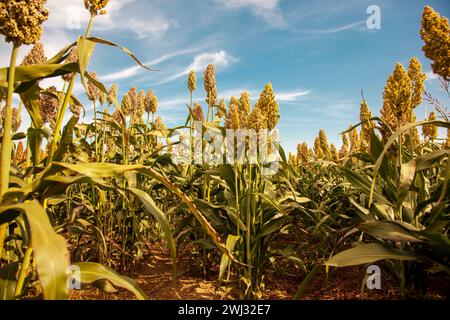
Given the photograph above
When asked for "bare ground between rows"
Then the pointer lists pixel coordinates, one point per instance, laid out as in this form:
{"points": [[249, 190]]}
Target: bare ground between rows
{"points": [[154, 275]]}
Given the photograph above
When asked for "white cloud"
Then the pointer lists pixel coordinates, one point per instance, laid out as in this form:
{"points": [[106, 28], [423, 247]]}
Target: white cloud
{"points": [[131, 71], [282, 96], [219, 59], [265, 9], [431, 76], [349, 26], [73, 16], [291, 95]]}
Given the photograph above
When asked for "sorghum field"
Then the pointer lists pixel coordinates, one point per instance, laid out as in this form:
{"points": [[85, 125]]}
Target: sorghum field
{"points": [[125, 207]]}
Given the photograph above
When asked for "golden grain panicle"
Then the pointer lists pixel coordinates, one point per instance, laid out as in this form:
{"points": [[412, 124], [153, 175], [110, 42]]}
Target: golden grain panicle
{"points": [[221, 109], [417, 78], [269, 107], [232, 121], [72, 57], [151, 102], [209, 78], [112, 94], [36, 56], [245, 107], [21, 20], [48, 105], [198, 112], [16, 118], [435, 32], [192, 83], [93, 92], [96, 7]]}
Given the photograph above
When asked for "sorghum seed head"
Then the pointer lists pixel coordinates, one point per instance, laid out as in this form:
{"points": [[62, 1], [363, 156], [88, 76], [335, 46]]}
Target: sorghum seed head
{"points": [[93, 92], [435, 32], [21, 20], [257, 120], [302, 153], [16, 119], [126, 104], [35, 56], [367, 125], [102, 98], [132, 93], [269, 106], [430, 130], [397, 93], [209, 78], [139, 111], [245, 107], [72, 57], [221, 109], [112, 94], [151, 102], [192, 82], [417, 78], [75, 109], [354, 145], [96, 7], [318, 149], [232, 119], [158, 124], [324, 144], [19, 154], [48, 105], [198, 112], [334, 153]]}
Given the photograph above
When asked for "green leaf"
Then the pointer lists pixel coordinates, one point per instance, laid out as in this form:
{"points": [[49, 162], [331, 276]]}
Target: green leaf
{"points": [[109, 43], [363, 184], [31, 101], [91, 272], [153, 209], [66, 139], [49, 248], [272, 226], [85, 49], [28, 75], [431, 159], [98, 170], [368, 253], [8, 281], [389, 230], [225, 261], [407, 173]]}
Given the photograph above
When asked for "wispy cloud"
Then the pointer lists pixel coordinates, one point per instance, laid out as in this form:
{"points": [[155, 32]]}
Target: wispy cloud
{"points": [[281, 96], [132, 71], [354, 25], [268, 10], [220, 59], [431, 75], [292, 95], [73, 15]]}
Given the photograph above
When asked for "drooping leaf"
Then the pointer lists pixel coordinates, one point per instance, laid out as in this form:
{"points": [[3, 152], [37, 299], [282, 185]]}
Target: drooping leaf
{"points": [[91, 272], [369, 253], [49, 248]]}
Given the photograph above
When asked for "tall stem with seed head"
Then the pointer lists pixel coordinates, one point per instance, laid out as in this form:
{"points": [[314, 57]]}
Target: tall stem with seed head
{"points": [[6, 149], [65, 104]]}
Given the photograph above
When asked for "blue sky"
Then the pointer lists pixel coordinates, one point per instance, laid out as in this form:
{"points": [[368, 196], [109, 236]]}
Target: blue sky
{"points": [[318, 55]]}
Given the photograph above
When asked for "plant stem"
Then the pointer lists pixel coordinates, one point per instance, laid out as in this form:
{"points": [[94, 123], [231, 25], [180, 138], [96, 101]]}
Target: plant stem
{"points": [[23, 272], [64, 105], [6, 149], [7, 127], [60, 118], [248, 231], [95, 131]]}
